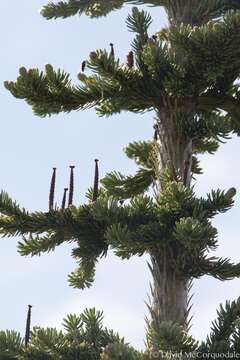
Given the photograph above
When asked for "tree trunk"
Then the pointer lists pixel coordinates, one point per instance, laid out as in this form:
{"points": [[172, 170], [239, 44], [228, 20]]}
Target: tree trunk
{"points": [[173, 146], [169, 292]]}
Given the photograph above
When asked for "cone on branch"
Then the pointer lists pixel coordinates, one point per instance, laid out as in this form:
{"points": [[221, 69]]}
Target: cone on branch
{"points": [[112, 53], [96, 182], [64, 198], [52, 189], [28, 325], [130, 60], [83, 66], [71, 185]]}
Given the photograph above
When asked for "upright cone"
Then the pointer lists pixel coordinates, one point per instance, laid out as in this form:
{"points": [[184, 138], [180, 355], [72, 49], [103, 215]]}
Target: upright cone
{"points": [[112, 53], [130, 60], [52, 189], [64, 198], [96, 182], [83, 66], [71, 186], [28, 325]]}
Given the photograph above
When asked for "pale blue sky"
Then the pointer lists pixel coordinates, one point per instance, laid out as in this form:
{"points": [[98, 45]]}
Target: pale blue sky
{"points": [[31, 146]]}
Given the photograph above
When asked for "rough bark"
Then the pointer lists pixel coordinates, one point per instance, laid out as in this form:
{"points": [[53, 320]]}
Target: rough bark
{"points": [[170, 292], [173, 146]]}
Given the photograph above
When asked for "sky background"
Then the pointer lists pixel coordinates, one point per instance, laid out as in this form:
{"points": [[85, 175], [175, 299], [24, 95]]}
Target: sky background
{"points": [[31, 146]]}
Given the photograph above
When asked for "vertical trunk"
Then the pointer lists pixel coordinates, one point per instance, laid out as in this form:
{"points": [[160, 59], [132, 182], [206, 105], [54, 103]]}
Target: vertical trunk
{"points": [[169, 292], [173, 146]]}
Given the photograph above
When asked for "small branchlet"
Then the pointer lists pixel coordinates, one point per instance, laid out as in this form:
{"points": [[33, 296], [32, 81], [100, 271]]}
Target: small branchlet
{"points": [[172, 169]]}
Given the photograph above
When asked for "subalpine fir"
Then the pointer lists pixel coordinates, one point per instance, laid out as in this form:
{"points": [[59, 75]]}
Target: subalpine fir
{"points": [[187, 74]]}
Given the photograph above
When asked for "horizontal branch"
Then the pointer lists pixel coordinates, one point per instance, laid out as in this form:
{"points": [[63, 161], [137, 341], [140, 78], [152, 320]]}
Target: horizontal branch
{"points": [[219, 268], [91, 8]]}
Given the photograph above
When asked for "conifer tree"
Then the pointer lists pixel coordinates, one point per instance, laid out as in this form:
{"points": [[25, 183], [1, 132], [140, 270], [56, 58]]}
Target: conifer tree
{"points": [[187, 74], [83, 338]]}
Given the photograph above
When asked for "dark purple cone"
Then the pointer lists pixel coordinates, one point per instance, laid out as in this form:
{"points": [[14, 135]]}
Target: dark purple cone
{"points": [[83, 65], [64, 198], [130, 60], [71, 186], [112, 50], [52, 189], [96, 182], [28, 325]]}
